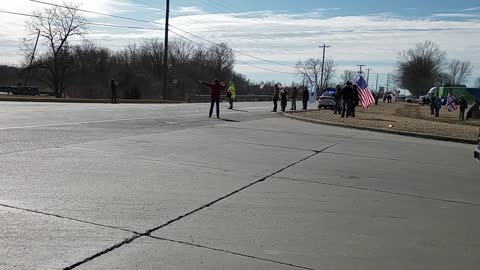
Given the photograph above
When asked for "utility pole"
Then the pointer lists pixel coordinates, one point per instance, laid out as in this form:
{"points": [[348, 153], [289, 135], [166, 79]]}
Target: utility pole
{"points": [[360, 66], [388, 81], [368, 74], [165, 56], [31, 60], [376, 85], [323, 65]]}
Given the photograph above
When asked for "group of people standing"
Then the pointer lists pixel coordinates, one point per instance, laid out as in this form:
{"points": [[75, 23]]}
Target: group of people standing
{"points": [[346, 100], [282, 95]]}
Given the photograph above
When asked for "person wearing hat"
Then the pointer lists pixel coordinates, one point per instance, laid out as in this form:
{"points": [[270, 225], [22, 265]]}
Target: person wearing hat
{"points": [[215, 89]]}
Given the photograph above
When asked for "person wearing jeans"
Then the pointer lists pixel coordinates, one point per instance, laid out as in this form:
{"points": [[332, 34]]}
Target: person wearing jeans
{"points": [[215, 89], [294, 99], [276, 95]]}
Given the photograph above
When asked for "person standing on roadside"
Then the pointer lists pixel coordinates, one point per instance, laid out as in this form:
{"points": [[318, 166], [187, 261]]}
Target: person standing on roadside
{"points": [[294, 99], [113, 88], [215, 89], [347, 100], [276, 96], [305, 98], [463, 107], [355, 100], [338, 100], [432, 104], [437, 106], [283, 99], [231, 94]]}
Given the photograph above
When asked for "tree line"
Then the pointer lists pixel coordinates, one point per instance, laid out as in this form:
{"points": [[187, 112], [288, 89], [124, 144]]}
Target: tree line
{"points": [[86, 70]]}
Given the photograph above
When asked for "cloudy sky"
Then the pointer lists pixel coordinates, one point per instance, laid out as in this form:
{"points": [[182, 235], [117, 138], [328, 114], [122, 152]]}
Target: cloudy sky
{"points": [[284, 31]]}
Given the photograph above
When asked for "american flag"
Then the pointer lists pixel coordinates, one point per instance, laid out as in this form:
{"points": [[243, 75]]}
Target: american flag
{"points": [[364, 94]]}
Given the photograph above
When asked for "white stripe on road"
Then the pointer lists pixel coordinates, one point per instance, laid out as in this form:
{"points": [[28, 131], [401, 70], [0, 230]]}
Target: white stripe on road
{"points": [[110, 121]]}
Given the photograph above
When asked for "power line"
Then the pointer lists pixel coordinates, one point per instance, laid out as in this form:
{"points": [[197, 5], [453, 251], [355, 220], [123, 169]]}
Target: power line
{"points": [[255, 66], [89, 23], [147, 4], [252, 56], [94, 12], [153, 22]]}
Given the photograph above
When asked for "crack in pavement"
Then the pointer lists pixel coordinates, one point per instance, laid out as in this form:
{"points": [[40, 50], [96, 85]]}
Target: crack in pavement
{"points": [[149, 232], [390, 159], [151, 159], [67, 218], [284, 132], [231, 252], [381, 191]]}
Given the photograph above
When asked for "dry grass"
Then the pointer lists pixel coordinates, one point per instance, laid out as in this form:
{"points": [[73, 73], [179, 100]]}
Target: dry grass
{"points": [[405, 117]]}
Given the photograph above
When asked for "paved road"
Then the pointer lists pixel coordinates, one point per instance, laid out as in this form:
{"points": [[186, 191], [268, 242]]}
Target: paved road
{"points": [[101, 186]]}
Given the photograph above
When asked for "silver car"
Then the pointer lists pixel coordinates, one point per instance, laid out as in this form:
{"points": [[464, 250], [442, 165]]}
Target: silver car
{"points": [[326, 101]]}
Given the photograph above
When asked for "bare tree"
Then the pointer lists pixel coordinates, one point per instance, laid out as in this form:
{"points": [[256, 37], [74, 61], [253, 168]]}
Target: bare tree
{"points": [[420, 68], [311, 70], [458, 71], [477, 83], [348, 75], [222, 59], [329, 72], [56, 26]]}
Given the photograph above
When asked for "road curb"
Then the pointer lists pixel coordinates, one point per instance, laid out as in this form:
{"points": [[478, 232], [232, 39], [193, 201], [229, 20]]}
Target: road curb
{"points": [[395, 132]]}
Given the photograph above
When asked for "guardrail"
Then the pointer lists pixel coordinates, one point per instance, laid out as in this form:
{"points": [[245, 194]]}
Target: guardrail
{"points": [[192, 98]]}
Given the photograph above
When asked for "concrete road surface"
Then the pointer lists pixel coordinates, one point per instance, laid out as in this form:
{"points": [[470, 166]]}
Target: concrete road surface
{"points": [[102, 186]]}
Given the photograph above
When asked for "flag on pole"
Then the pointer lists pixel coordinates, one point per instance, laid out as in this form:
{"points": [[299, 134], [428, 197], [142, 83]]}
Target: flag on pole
{"points": [[313, 94], [451, 106], [365, 96]]}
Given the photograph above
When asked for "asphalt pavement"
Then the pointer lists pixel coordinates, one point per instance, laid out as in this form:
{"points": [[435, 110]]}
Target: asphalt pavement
{"points": [[151, 186]]}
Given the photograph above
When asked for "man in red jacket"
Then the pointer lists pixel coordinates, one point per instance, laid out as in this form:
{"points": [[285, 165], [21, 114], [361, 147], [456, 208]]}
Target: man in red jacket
{"points": [[216, 89]]}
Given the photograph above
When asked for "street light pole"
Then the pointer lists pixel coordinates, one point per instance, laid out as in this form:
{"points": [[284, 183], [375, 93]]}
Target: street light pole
{"points": [[323, 65], [165, 55]]}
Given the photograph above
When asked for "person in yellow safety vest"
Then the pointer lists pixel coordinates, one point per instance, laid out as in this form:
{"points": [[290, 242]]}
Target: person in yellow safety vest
{"points": [[231, 94]]}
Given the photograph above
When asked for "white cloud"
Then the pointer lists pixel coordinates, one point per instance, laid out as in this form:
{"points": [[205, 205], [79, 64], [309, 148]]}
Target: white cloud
{"points": [[373, 40], [455, 15], [472, 9], [188, 11]]}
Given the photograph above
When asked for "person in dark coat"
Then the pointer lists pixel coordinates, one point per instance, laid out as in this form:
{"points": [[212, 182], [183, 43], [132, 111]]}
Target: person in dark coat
{"points": [[432, 104], [113, 87], [474, 108], [347, 99], [283, 99], [276, 96], [355, 100], [338, 100], [294, 98], [463, 107], [306, 97], [437, 106], [216, 89]]}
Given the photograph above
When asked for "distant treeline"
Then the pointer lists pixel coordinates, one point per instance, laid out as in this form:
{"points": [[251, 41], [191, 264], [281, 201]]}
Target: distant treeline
{"points": [[86, 70]]}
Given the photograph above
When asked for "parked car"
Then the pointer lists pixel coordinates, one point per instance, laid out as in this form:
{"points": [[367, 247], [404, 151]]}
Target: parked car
{"points": [[426, 98], [326, 101], [411, 99]]}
